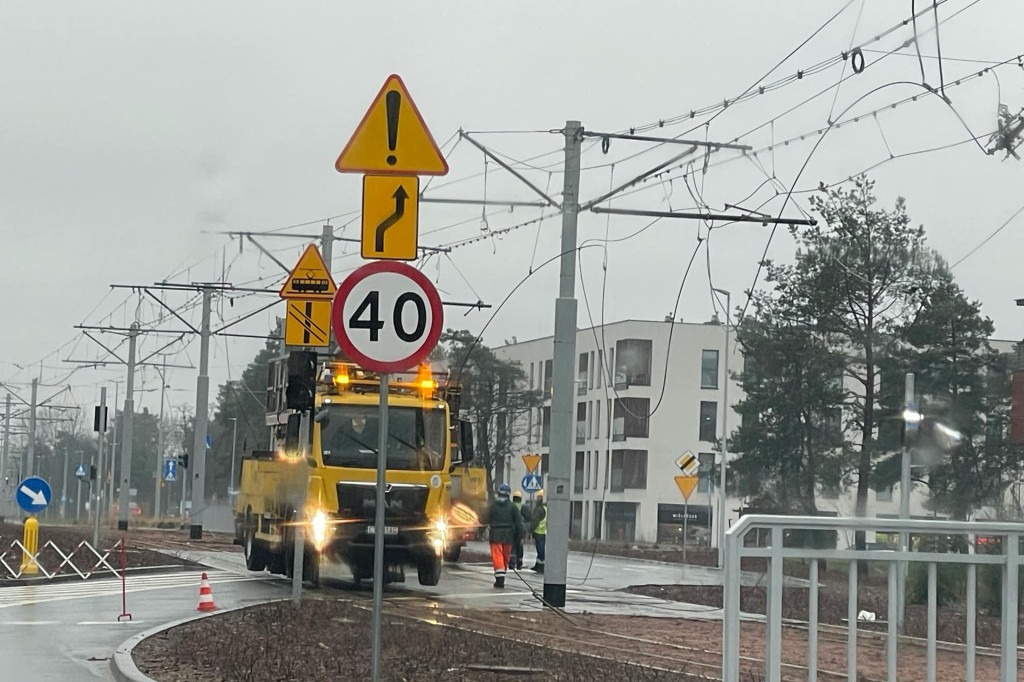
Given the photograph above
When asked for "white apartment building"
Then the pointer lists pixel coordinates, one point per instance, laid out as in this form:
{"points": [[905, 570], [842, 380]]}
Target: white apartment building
{"points": [[664, 400]]}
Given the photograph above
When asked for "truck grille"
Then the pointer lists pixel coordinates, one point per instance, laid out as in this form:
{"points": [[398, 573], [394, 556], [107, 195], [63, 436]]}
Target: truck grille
{"points": [[406, 503]]}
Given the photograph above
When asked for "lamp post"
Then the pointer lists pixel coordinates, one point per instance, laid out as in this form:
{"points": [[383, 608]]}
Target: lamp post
{"points": [[725, 437]]}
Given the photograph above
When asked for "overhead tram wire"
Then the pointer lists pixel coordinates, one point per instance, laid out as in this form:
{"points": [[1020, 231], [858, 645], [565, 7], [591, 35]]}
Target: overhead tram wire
{"points": [[672, 173], [771, 236], [989, 238]]}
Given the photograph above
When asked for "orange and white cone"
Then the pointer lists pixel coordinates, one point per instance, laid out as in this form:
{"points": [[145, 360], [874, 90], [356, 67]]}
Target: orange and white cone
{"points": [[206, 596]]}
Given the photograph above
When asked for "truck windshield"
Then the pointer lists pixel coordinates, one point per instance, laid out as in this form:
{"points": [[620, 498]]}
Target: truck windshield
{"points": [[349, 436]]}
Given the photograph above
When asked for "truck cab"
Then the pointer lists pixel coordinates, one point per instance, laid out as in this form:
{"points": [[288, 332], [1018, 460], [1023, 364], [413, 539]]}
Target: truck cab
{"points": [[332, 488]]}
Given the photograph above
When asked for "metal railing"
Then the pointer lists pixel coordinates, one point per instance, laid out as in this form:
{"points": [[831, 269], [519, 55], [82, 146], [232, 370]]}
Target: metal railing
{"points": [[67, 560], [1009, 561]]}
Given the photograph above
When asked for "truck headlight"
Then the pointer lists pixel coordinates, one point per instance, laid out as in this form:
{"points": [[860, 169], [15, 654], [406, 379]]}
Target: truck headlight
{"points": [[318, 524]]}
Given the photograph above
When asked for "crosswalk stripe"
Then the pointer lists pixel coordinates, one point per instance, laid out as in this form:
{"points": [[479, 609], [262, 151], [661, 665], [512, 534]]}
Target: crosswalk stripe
{"points": [[36, 594]]}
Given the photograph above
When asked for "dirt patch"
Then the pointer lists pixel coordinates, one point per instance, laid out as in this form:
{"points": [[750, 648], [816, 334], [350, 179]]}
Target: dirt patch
{"points": [[951, 622], [141, 549], [330, 639]]}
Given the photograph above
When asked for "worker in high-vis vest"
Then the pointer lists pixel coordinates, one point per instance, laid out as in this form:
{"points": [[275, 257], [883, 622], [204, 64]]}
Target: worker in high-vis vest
{"points": [[505, 527], [539, 530]]}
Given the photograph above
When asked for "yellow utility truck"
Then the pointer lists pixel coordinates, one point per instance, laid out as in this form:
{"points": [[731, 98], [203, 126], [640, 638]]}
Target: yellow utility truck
{"points": [[321, 472], [469, 502]]}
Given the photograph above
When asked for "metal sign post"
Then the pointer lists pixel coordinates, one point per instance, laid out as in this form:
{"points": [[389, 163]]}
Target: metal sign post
{"points": [[378, 528], [299, 548], [97, 485], [686, 521]]}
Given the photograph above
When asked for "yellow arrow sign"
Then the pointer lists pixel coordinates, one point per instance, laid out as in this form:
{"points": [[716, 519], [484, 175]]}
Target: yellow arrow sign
{"points": [[392, 138], [686, 485], [308, 323], [310, 278], [531, 462], [390, 216]]}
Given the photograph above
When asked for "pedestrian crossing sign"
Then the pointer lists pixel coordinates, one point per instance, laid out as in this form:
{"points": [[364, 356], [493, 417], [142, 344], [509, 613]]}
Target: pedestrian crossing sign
{"points": [[80, 471]]}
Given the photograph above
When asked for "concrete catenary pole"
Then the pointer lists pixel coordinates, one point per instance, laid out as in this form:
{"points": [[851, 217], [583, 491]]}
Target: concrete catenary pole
{"points": [[128, 419], [158, 480], [722, 496], [30, 455], [563, 375], [97, 485], [202, 416]]}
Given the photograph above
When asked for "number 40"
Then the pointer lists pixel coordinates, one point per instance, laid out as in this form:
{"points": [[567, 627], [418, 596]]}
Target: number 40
{"points": [[371, 306]]}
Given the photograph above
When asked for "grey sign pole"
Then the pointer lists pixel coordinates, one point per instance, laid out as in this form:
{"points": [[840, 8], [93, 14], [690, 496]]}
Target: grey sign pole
{"points": [[97, 485], [202, 416], [564, 385], [299, 495], [5, 454], [378, 529], [128, 417]]}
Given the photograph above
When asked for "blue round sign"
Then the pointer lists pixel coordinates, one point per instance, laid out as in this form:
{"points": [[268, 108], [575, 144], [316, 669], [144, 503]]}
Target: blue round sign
{"points": [[33, 494], [532, 483]]}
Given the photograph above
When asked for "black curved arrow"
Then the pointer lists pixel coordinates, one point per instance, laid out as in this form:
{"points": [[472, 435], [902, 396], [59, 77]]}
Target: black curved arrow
{"points": [[399, 196]]}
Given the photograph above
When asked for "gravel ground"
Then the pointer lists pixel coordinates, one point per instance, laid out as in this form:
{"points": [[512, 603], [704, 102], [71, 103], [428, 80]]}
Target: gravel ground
{"points": [[140, 548], [951, 622], [330, 640]]}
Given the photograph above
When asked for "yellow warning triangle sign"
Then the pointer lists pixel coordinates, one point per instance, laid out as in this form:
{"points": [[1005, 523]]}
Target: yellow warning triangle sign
{"points": [[686, 485], [531, 462], [392, 138], [310, 279]]}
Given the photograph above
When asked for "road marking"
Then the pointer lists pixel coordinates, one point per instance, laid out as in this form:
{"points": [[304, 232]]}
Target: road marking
{"points": [[30, 622], [110, 622], [23, 595]]}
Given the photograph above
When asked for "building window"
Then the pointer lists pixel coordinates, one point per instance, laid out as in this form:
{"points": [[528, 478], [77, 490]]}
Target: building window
{"points": [[577, 478], [545, 425], [529, 426], [531, 377], [620, 517], [600, 368], [581, 423], [709, 369], [706, 471], [590, 374], [597, 462], [581, 375], [576, 522], [586, 480], [607, 468], [629, 470], [708, 420], [611, 367], [884, 495], [633, 363], [632, 418], [590, 419], [697, 523], [597, 418], [547, 378], [608, 428], [597, 520]]}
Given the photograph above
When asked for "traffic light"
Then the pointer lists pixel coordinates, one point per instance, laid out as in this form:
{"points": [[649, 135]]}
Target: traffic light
{"points": [[183, 461], [301, 387], [92, 472]]}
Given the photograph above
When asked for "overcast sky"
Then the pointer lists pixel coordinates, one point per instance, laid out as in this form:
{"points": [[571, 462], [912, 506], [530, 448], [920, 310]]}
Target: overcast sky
{"points": [[132, 133]]}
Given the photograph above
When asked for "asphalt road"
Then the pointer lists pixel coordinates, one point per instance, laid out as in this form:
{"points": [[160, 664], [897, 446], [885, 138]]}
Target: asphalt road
{"points": [[59, 632]]}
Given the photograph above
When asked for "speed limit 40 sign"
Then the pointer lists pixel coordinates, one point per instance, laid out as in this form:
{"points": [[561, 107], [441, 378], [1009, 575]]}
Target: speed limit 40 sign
{"points": [[387, 316]]}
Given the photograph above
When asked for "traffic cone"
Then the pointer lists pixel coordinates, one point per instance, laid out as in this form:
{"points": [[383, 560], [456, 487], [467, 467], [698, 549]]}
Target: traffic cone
{"points": [[206, 596]]}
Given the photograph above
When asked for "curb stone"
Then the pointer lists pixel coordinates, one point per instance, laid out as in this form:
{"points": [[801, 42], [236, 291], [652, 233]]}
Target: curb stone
{"points": [[123, 666]]}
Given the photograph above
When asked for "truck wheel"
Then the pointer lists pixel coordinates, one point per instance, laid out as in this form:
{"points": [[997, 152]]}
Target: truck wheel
{"points": [[429, 571], [451, 555], [361, 572], [255, 555]]}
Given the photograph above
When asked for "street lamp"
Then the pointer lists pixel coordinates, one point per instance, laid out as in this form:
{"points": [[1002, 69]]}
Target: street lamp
{"points": [[725, 438], [232, 485]]}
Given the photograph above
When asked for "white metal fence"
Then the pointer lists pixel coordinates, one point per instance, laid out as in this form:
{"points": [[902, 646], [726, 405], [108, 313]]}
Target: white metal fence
{"points": [[84, 560], [1004, 535]]}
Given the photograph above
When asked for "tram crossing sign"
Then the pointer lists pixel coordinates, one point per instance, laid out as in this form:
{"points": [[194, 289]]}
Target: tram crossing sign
{"points": [[309, 279]]}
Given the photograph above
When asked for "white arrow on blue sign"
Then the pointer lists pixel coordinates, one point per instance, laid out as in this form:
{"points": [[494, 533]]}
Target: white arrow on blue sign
{"points": [[532, 483], [170, 470], [80, 471], [33, 495]]}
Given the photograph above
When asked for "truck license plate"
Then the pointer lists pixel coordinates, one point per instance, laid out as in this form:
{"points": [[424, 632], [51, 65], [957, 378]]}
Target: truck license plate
{"points": [[388, 530]]}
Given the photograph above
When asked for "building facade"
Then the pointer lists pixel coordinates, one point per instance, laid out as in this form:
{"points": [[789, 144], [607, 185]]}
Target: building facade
{"points": [[648, 393]]}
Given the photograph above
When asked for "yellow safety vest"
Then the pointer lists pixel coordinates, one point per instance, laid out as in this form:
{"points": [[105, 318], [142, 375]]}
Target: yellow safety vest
{"points": [[542, 525]]}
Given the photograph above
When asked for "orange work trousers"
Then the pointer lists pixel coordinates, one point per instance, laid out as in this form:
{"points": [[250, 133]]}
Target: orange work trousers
{"points": [[500, 553]]}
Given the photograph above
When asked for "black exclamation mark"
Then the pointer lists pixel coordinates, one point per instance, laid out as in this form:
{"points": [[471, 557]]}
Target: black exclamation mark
{"points": [[393, 102]]}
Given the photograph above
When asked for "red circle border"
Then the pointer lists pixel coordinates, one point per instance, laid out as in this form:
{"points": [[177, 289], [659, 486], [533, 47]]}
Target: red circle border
{"points": [[338, 323]]}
